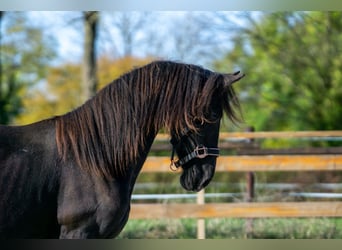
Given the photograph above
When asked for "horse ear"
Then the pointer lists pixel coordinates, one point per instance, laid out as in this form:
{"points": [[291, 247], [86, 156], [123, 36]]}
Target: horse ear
{"points": [[229, 79]]}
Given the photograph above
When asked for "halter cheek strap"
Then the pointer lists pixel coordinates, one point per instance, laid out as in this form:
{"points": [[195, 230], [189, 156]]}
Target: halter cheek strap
{"points": [[199, 152]]}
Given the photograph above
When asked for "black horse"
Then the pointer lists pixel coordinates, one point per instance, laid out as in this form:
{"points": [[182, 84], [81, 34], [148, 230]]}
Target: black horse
{"points": [[72, 176]]}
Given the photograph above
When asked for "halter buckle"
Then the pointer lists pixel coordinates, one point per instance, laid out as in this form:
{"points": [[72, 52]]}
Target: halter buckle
{"points": [[201, 152]]}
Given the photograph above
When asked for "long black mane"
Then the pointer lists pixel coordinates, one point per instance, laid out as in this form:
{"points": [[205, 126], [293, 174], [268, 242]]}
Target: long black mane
{"points": [[106, 134]]}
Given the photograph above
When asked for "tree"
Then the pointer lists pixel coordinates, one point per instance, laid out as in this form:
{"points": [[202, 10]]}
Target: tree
{"points": [[63, 87], [129, 25], [293, 63], [189, 37], [9, 102], [23, 59]]}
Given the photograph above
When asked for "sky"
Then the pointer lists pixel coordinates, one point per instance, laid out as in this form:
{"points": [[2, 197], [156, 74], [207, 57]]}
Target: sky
{"points": [[66, 28], [56, 24]]}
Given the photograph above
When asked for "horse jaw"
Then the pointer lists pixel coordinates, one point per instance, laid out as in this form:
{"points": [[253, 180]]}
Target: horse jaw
{"points": [[197, 176]]}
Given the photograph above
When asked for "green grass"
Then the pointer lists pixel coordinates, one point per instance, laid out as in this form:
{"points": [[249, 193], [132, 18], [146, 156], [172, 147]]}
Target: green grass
{"points": [[315, 228]]}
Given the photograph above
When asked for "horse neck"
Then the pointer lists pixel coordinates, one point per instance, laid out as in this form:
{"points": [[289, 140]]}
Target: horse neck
{"points": [[113, 132]]}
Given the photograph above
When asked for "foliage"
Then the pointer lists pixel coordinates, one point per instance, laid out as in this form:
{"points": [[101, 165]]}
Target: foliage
{"points": [[292, 62], [110, 69], [63, 87], [61, 93], [24, 57]]}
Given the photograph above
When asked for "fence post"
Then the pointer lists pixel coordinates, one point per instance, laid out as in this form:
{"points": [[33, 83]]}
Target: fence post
{"points": [[201, 222], [250, 179]]}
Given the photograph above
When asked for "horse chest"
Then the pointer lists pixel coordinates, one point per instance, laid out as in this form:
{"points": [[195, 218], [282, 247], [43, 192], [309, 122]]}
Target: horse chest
{"points": [[89, 207]]}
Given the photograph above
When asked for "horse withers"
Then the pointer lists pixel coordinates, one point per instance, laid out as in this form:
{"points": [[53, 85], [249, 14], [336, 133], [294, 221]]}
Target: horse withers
{"points": [[72, 176]]}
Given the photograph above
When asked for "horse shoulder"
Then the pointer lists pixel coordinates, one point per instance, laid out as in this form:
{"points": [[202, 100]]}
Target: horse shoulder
{"points": [[89, 206]]}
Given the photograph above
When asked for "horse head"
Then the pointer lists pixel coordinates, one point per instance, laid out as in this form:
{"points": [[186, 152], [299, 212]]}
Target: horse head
{"points": [[197, 148]]}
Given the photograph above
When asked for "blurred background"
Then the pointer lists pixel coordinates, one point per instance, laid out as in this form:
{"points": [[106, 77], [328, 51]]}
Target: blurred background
{"points": [[292, 60], [51, 62]]}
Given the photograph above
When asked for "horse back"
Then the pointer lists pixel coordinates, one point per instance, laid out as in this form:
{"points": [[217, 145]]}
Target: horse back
{"points": [[28, 181]]}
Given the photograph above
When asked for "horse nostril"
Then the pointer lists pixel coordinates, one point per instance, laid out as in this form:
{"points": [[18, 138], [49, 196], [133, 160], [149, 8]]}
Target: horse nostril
{"points": [[203, 185], [197, 177]]}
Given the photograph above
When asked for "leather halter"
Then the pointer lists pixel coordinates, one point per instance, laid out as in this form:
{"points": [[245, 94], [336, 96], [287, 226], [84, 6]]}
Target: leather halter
{"points": [[199, 152]]}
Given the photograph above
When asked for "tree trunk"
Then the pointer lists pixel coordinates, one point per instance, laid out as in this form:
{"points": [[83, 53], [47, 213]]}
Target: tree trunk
{"points": [[1, 15], [2, 103], [90, 81]]}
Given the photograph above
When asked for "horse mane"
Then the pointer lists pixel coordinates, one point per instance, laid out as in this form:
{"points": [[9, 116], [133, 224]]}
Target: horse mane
{"points": [[106, 134]]}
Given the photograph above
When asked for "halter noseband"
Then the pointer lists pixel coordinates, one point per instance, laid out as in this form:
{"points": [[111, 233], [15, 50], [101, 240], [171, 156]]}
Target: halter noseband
{"points": [[200, 152]]}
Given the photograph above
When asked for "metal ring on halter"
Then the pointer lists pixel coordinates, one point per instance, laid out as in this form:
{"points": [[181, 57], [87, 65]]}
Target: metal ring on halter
{"points": [[173, 166]]}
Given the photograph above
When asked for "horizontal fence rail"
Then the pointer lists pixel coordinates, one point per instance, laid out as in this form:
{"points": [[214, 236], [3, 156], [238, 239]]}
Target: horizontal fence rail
{"points": [[283, 134], [258, 163], [270, 135], [237, 210], [229, 195], [268, 186]]}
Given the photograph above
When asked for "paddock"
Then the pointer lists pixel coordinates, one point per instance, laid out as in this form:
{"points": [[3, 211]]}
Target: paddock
{"points": [[249, 158]]}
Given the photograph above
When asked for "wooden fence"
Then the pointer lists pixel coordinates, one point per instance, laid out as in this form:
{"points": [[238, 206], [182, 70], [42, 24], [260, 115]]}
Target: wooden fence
{"points": [[255, 159]]}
